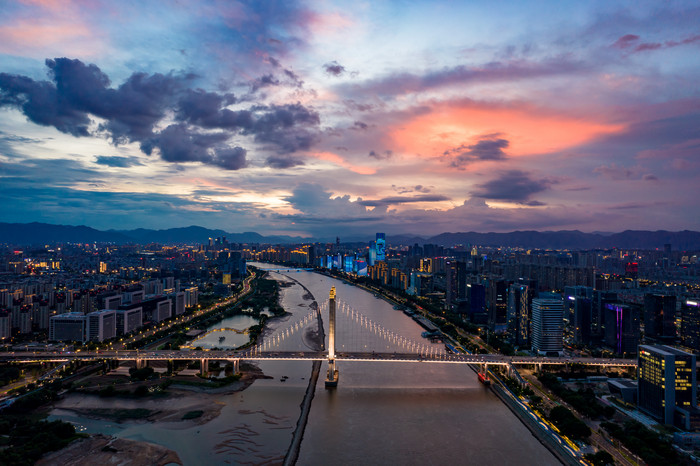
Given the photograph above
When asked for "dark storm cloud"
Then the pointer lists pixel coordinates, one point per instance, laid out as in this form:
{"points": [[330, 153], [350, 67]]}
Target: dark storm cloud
{"points": [[513, 185], [515, 70], [179, 144], [132, 110], [631, 42], [334, 68], [419, 188], [393, 200], [381, 155], [617, 173], [266, 80], [353, 105], [290, 127], [283, 162], [203, 108], [80, 90], [40, 102], [116, 161], [488, 148]]}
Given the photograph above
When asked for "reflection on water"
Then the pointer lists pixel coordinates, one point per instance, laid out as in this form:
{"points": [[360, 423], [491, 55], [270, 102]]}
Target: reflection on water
{"points": [[406, 413], [226, 339], [381, 412]]}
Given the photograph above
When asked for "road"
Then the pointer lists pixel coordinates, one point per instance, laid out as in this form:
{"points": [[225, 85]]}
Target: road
{"points": [[550, 400]]}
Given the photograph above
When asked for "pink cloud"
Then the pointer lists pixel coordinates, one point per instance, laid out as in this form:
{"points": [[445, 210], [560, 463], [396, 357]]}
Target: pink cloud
{"points": [[338, 160], [631, 40], [626, 41], [529, 130]]}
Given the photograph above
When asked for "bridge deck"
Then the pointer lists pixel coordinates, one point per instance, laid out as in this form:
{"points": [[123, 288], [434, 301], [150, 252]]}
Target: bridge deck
{"points": [[493, 359]]}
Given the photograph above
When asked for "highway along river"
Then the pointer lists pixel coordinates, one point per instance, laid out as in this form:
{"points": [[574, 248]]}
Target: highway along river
{"points": [[380, 413]]}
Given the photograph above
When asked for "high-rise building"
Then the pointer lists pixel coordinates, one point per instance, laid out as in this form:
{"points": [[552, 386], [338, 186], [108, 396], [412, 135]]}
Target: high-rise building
{"points": [[5, 325], [381, 246], [571, 292], [690, 325], [667, 382], [476, 297], [660, 316], [547, 325], [129, 320], [455, 284], [372, 253], [101, 325], [621, 328], [71, 326], [600, 299], [498, 305], [582, 319], [519, 313]]}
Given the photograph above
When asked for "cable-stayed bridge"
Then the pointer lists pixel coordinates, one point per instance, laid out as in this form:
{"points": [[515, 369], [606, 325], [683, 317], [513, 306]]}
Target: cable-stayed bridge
{"points": [[352, 338]]}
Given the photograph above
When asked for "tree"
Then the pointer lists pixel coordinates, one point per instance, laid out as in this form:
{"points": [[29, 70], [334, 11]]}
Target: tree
{"points": [[569, 424], [601, 458]]}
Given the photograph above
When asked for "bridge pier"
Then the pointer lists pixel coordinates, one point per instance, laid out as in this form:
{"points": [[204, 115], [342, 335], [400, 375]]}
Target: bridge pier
{"points": [[141, 363], [204, 366], [236, 366], [332, 376]]}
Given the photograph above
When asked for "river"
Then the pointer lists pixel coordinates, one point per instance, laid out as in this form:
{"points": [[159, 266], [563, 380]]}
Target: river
{"points": [[381, 413]]}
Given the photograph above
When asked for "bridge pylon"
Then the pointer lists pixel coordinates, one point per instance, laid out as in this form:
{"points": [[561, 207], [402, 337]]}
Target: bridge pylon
{"points": [[332, 375]]}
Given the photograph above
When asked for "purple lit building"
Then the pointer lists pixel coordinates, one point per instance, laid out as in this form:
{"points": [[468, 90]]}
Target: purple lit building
{"points": [[621, 328]]}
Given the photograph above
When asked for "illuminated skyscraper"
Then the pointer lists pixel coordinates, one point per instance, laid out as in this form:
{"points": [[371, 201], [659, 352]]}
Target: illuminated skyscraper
{"points": [[690, 325], [519, 314], [666, 382], [372, 253], [621, 328], [547, 325], [381, 246]]}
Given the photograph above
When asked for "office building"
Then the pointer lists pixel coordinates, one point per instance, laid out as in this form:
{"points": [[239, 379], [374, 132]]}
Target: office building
{"points": [[5, 325], [621, 328], [476, 297], [101, 325], [455, 284], [667, 382], [380, 245], [129, 320], [498, 305], [547, 325], [660, 317], [581, 319], [519, 314], [690, 325], [71, 326], [600, 299]]}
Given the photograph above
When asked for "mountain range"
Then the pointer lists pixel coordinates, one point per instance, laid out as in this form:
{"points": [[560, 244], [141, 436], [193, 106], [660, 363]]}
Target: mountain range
{"points": [[43, 233]]}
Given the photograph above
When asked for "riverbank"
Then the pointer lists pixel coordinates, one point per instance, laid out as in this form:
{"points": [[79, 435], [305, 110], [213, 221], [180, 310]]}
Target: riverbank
{"points": [[103, 449], [185, 395], [546, 440], [293, 452]]}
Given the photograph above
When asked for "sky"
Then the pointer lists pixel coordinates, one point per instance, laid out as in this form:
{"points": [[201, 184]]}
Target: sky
{"points": [[341, 118]]}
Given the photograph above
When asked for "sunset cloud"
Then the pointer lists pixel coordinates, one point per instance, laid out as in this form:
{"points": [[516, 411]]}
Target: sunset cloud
{"points": [[319, 119]]}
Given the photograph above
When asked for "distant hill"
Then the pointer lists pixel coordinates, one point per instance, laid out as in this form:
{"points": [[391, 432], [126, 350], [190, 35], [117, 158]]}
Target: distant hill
{"points": [[630, 239], [41, 233]]}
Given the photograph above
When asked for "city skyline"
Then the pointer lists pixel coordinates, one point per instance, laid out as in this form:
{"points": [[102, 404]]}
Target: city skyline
{"points": [[306, 118]]}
